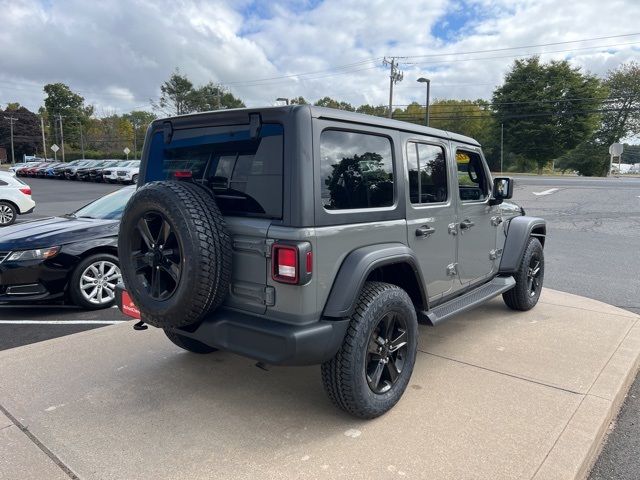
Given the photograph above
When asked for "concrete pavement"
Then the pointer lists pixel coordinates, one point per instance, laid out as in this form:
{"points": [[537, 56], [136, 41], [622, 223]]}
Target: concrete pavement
{"points": [[495, 394]]}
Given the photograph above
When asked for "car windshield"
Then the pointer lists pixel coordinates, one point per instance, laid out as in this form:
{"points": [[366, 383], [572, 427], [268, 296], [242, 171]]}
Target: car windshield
{"points": [[109, 207]]}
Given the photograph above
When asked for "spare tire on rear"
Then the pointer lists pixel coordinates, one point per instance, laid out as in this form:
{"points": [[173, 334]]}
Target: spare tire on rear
{"points": [[175, 253]]}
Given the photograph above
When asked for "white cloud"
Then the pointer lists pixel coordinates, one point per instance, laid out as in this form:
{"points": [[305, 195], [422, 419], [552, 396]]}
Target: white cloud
{"points": [[116, 53]]}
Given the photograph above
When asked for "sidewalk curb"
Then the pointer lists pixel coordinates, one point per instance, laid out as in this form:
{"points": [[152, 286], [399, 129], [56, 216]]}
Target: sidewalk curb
{"points": [[579, 445]]}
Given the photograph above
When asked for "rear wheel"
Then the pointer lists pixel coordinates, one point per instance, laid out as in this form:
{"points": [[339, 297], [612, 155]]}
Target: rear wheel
{"points": [[529, 278], [188, 344], [371, 370], [8, 214]]}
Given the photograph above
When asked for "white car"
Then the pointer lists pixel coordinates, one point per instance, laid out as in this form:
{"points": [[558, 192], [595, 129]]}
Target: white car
{"points": [[123, 172], [128, 174], [15, 199]]}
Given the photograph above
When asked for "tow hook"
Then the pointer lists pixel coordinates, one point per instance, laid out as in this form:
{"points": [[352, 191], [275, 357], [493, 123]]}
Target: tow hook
{"points": [[140, 326]]}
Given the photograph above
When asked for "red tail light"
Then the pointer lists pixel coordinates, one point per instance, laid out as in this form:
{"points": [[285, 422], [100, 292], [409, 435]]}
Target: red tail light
{"points": [[25, 190], [180, 174], [292, 262]]}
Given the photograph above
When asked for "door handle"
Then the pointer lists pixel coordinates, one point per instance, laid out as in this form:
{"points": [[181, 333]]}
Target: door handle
{"points": [[425, 231], [466, 224]]}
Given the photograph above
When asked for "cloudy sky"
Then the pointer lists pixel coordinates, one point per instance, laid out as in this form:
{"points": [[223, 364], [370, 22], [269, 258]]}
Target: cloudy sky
{"points": [[116, 53]]}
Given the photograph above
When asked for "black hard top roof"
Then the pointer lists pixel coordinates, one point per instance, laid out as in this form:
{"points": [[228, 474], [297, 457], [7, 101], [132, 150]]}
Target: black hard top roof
{"points": [[330, 114]]}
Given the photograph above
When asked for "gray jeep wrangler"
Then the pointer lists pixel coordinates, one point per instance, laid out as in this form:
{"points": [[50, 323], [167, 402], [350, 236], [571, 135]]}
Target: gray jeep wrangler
{"points": [[301, 235]]}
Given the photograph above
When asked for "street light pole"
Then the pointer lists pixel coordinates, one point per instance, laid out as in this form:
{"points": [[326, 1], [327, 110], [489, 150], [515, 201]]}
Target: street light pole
{"points": [[44, 142], [81, 140], [13, 155], [428, 82]]}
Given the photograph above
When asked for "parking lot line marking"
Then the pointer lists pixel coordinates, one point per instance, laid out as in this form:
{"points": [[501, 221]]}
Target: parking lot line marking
{"points": [[61, 322], [547, 192]]}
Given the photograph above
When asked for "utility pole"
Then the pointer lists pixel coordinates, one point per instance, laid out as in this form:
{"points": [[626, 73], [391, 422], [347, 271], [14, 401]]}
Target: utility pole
{"points": [[13, 154], [501, 145], [395, 76], [428, 82], [81, 140], [44, 142], [135, 141], [61, 136]]}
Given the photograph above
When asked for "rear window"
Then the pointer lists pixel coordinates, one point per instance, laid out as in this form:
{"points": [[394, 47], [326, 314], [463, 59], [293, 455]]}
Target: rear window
{"points": [[245, 174]]}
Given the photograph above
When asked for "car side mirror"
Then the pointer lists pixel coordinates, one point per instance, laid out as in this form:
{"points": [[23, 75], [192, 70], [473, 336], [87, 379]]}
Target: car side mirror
{"points": [[502, 189]]}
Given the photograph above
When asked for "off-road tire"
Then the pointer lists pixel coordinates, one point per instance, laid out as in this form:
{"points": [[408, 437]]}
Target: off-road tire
{"points": [[520, 297], [188, 344], [11, 212], [206, 251], [344, 376]]}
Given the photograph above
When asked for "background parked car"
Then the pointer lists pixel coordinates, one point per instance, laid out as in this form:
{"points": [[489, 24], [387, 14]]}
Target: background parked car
{"points": [[73, 257], [70, 172], [128, 174], [95, 173], [58, 171], [110, 174], [15, 199]]}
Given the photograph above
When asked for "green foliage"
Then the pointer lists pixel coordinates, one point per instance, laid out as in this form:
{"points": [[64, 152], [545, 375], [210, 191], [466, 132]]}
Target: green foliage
{"points": [[331, 103], [298, 101], [547, 109], [62, 101], [26, 132], [378, 111], [179, 96]]}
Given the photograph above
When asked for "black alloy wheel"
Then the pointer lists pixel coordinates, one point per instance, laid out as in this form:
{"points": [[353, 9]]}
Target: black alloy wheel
{"points": [[157, 258], [386, 352], [533, 275]]}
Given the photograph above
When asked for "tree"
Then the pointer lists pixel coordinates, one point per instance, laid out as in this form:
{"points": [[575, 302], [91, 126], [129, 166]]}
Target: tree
{"points": [[212, 97], [175, 95], [378, 111], [331, 103], [620, 119], [298, 101], [62, 101], [179, 96], [547, 109], [27, 139]]}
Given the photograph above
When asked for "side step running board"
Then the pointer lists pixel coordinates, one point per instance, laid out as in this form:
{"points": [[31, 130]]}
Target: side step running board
{"points": [[469, 300]]}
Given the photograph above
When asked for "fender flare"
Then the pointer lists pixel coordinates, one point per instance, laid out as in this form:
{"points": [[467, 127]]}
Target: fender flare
{"points": [[518, 232], [355, 269]]}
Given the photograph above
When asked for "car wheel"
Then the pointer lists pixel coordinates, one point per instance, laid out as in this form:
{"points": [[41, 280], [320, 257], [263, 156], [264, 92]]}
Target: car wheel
{"points": [[8, 214], [134, 180], [188, 344], [371, 371], [176, 253], [93, 282], [529, 278]]}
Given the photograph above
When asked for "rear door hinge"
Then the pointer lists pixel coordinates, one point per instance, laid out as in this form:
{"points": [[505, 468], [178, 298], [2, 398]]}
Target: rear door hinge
{"points": [[248, 244], [452, 269], [493, 254], [495, 221], [269, 296]]}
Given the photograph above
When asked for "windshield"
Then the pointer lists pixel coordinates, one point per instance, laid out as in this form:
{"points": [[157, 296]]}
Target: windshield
{"points": [[109, 207]]}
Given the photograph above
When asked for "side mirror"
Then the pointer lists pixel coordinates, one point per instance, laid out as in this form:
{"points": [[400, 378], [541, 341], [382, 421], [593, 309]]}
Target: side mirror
{"points": [[502, 189]]}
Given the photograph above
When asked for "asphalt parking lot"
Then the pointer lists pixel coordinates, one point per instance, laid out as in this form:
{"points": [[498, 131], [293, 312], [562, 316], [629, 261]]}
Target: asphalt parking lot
{"points": [[591, 250]]}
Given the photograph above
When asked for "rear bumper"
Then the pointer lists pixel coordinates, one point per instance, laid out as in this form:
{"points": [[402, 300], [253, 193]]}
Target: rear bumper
{"points": [[266, 340]]}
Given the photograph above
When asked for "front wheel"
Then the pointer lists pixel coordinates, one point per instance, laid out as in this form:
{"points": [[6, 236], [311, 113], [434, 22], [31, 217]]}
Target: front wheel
{"points": [[93, 282], [529, 278], [370, 372]]}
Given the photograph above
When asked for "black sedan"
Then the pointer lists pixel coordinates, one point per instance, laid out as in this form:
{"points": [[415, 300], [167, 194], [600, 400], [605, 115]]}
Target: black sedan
{"points": [[71, 258]]}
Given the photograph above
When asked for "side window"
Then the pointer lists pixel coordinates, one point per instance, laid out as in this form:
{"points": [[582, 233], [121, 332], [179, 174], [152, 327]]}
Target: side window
{"points": [[427, 173], [472, 179], [356, 170]]}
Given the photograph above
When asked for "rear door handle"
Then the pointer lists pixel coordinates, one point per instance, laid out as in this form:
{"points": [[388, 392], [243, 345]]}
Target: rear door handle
{"points": [[425, 231], [466, 224]]}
